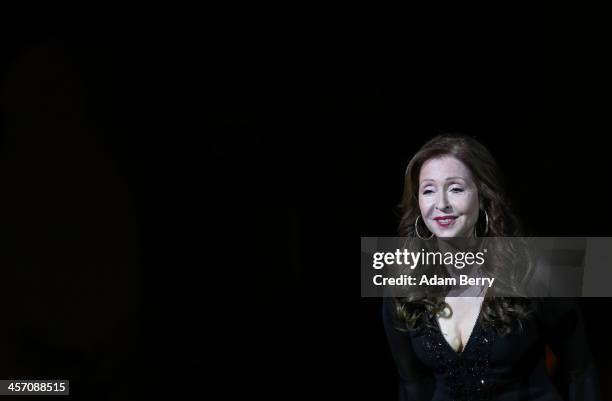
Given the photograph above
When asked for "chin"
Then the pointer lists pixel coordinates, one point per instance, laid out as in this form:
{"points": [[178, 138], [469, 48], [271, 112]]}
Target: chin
{"points": [[449, 234]]}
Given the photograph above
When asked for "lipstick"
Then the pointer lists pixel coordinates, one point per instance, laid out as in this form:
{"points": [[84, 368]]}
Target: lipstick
{"points": [[445, 221]]}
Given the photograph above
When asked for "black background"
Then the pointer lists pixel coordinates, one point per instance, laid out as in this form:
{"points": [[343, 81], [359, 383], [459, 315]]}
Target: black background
{"points": [[182, 196]]}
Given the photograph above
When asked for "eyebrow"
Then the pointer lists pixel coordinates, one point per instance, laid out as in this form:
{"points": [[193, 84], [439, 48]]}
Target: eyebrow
{"points": [[448, 179]]}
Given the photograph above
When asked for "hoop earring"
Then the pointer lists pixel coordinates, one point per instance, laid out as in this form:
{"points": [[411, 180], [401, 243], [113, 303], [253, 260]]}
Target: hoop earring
{"points": [[486, 231], [416, 229]]}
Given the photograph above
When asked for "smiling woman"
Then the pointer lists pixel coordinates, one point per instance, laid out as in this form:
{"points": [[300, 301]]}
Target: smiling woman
{"points": [[448, 197], [481, 347]]}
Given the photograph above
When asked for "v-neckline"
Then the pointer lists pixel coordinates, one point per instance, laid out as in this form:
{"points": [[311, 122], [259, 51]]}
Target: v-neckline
{"points": [[472, 333], [467, 343]]}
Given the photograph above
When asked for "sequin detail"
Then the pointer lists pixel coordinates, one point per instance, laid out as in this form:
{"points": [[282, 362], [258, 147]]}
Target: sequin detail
{"points": [[467, 373]]}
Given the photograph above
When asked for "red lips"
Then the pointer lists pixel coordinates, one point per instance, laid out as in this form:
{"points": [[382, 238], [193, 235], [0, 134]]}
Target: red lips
{"points": [[445, 217], [445, 221]]}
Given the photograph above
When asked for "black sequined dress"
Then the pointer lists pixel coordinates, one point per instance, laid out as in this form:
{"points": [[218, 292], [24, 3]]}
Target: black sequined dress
{"points": [[494, 367]]}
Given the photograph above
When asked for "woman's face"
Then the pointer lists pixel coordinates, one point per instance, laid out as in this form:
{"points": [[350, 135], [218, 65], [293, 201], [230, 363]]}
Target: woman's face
{"points": [[448, 197]]}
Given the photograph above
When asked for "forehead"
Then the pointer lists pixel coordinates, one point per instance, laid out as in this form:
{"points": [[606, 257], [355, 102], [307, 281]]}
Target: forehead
{"points": [[442, 168]]}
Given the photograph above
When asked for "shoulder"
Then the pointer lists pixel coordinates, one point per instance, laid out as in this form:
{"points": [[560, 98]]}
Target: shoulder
{"points": [[557, 313], [389, 310]]}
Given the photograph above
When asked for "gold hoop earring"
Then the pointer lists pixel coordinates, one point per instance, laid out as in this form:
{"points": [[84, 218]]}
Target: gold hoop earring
{"points": [[486, 231], [416, 229]]}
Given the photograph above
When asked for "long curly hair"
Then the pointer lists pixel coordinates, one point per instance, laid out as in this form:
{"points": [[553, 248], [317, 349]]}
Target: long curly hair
{"points": [[503, 313]]}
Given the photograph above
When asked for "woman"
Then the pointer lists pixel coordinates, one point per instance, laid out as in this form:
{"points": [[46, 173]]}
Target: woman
{"points": [[477, 347]]}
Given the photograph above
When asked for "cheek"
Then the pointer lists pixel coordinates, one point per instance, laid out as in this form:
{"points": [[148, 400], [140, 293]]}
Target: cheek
{"points": [[424, 205], [471, 207], [467, 205]]}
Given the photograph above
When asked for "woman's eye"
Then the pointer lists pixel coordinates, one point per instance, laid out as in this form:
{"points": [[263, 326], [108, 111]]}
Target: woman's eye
{"points": [[456, 189], [427, 192]]}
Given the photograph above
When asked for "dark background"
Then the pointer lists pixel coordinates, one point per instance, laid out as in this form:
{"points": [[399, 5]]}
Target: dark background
{"points": [[182, 197]]}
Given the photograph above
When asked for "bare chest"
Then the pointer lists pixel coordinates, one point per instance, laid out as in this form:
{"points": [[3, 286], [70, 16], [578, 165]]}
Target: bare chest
{"points": [[458, 322]]}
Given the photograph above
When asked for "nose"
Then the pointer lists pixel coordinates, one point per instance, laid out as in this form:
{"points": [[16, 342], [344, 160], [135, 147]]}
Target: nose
{"points": [[442, 202]]}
